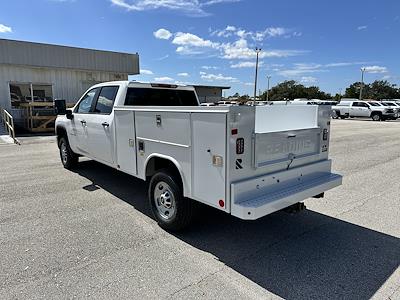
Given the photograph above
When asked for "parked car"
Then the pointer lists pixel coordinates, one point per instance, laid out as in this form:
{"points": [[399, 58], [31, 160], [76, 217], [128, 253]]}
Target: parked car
{"points": [[392, 104], [363, 109], [246, 161]]}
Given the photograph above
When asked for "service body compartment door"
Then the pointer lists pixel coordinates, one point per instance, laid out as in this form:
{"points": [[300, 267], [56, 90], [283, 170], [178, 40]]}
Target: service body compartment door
{"points": [[125, 141], [209, 158]]}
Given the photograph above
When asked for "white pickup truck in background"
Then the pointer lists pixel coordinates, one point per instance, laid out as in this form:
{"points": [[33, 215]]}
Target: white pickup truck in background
{"points": [[364, 109], [248, 161]]}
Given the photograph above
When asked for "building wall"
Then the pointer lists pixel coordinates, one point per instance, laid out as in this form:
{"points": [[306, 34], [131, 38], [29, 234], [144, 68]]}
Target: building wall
{"points": [[67, 84], [55, 56]]}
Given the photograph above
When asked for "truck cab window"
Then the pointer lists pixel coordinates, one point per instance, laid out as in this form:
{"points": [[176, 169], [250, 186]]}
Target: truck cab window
{"points": [[86, 103], [105, 101], [160, 97]]}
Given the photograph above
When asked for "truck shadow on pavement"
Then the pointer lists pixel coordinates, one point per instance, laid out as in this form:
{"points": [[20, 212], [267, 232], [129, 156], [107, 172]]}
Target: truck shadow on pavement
{"points": [[303, 256]]}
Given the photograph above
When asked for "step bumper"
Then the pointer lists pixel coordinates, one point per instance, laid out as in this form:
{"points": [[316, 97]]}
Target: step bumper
{"points": [[258, 197]]}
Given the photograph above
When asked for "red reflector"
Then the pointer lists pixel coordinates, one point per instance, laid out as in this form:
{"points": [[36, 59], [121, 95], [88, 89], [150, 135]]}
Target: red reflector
{"points": [[221, 203], [234, 131]]}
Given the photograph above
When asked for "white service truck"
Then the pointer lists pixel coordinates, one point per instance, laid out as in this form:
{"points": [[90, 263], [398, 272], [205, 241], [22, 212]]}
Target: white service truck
{"points": [[248, 161]]}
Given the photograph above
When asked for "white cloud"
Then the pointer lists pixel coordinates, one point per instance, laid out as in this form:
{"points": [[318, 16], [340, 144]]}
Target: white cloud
{"points": [[254, 35], [163, 57], [309, 68], [240, 50], [363, 27], [344, 64], [302, 68], [249, 83], [163, 79], [246, 64], [146, 72], [217, 77], [209, 67], [308, 79], [5, 29], [189, 39], [189, 7], [162, 34], [375, 69], [183, 74], [191, 44]]}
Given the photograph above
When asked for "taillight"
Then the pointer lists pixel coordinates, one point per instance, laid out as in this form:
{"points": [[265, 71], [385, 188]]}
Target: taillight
{"points": [[239, 146], [325, 134]]}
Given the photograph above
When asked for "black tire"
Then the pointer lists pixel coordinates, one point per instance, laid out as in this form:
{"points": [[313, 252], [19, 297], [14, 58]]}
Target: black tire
{"points": [[376, 117], [68, 158], [172, 211]]}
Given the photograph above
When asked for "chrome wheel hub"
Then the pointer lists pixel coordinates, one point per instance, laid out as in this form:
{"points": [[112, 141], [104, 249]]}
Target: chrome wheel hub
{"points": [[64, 153], [164, 200]]}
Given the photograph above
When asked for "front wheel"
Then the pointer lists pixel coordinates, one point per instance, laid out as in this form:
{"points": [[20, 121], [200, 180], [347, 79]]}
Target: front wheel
{"points": [[376, 117], [170, 208], [68, 158]]}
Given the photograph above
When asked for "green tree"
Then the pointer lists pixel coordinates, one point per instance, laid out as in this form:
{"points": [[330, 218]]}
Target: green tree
{"points": [[379, 89], [290, 89]]}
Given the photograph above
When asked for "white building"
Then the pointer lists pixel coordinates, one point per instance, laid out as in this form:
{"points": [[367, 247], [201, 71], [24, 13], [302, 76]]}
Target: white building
{"points": [[42, 72]]}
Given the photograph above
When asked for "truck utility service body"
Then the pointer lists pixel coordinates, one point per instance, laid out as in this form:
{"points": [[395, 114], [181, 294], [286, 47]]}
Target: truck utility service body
{"points": [[247, 161]]}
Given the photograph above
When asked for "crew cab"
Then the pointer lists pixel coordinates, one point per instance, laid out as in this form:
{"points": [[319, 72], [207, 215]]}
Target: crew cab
{"points": [[248, 161], [363, 109]]}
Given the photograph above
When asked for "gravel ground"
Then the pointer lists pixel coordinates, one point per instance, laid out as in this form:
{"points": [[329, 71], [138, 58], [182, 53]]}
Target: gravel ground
{"points": [[89, 233]]}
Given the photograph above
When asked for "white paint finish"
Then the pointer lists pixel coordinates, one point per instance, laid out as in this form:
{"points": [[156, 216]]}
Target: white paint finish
{"points": [[209, 139], [273, 118], [125, 141], [174, 128], [180, 156], [78, 134], [101, 138]]}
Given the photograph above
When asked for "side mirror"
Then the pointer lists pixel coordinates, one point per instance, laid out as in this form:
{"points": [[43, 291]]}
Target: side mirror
{"points": [[69, 114], [60, 106]]}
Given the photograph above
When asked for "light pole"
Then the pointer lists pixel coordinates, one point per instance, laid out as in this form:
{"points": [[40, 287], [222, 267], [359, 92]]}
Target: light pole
{"points": [[258, 50], [268, 78], [362, 82]]}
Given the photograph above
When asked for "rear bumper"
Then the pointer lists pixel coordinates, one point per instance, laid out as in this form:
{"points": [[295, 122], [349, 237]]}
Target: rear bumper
{"points": [[257, 197]]}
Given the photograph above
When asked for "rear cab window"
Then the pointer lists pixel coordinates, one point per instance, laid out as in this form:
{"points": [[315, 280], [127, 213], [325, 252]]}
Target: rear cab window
{"points": [[105, 100], [136, 96]]}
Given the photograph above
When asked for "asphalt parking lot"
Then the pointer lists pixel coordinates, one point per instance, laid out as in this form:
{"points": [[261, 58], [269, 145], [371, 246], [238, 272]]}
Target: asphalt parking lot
{"points": [[88, 233]]}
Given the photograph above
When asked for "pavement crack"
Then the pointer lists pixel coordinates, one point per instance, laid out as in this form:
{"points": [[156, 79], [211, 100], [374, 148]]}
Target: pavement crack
{"points": [[195, 283]]}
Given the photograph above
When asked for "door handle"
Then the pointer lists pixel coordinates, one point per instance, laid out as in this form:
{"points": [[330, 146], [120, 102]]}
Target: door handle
{"points": [[83, 122], [105, 124]]}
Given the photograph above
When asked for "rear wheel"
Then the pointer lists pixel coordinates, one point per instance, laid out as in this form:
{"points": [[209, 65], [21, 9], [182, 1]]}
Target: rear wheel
{"points": [[170, 208], [68, 158]]}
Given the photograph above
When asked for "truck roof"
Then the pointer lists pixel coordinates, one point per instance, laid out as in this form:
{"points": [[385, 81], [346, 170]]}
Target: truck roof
{"points": [[151, 85]]}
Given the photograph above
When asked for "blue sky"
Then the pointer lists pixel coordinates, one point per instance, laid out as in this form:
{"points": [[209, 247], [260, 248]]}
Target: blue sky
{"points": [[323, 43]]}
